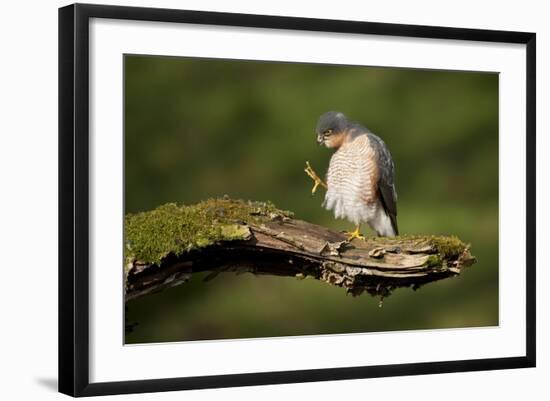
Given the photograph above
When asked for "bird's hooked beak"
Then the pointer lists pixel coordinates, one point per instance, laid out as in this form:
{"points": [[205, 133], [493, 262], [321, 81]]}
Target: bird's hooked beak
{"points": [[320, 139]]}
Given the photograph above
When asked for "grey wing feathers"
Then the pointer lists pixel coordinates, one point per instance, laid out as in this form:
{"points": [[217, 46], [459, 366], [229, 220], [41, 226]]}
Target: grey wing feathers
{"points": [[386, 183]]}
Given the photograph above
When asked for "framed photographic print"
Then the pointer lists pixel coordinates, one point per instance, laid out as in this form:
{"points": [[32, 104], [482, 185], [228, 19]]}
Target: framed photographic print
{"points": [[251, 199]]}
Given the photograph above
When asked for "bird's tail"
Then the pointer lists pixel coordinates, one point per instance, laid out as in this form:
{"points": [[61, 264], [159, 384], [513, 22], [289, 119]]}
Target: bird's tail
{"points": [[393, 219]]}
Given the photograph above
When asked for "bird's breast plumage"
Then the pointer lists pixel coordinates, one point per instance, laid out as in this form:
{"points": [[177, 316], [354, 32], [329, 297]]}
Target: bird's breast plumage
{"points": [[352, 180]]}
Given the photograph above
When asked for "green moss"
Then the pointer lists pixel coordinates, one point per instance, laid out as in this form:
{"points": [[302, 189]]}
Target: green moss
{"points": [[173, 228], [433, 261], [448, 247]]}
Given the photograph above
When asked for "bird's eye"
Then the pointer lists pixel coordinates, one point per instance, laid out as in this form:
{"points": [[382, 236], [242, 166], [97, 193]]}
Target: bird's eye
{"points": [[327, 132]]}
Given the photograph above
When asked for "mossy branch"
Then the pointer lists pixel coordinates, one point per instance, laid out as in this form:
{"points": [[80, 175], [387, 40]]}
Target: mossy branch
{"points": [[165, 246]]}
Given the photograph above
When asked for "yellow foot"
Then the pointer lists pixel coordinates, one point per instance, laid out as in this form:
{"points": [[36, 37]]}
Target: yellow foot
{"points": [[355, 234], [313, 175]]}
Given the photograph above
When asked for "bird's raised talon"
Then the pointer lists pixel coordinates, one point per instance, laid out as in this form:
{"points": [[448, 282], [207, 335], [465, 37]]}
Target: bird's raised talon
{"points": [[313, 175]]}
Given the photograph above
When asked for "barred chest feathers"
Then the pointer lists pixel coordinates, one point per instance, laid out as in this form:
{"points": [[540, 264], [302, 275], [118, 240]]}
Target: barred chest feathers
{"points": [[352, 181]]}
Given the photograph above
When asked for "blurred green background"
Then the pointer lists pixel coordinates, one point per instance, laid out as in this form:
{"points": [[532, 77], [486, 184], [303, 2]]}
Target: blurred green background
{"points": [[200, 128]]}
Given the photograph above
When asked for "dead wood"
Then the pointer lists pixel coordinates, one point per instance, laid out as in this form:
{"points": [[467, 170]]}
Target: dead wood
{"points": [[284, 246]]}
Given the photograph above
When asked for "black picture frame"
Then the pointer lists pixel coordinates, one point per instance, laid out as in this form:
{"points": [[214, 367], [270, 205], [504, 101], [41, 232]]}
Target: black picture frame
{"points": [[74, 198]]}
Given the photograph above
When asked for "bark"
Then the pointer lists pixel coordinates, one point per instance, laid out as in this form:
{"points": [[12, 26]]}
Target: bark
{"points": [[295, 248]]}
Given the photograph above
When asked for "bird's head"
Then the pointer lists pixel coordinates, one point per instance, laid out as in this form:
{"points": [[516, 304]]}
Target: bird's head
{"points": [[331, 129]]}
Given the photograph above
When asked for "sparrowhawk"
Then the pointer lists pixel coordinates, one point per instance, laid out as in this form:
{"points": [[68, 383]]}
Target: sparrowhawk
{"points": [[360, 178]]}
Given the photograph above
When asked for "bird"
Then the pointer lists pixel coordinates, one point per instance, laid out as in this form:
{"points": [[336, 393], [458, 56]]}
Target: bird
{"points": [[360, 180]]}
